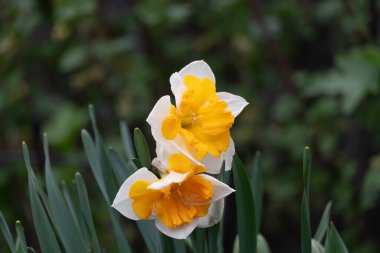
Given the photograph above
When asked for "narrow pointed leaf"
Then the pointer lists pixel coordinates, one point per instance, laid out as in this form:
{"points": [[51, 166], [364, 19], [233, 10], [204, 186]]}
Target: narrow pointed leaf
{"points": [[45, 233], [86, 210], [122, 170], [92, 157], [180, 246], [214, 238], [245, 208], [7, 234], [100, 164], [324, 223], [122, 243], [102, 157], [137, 163], [199, 240], [316, 247], [21, 246], [75, 212], [334, 243], [150, 234], [127, 140], [167, 244], [305, 213], [142, 148], [63, 220], [257, 188], [306, 169]]}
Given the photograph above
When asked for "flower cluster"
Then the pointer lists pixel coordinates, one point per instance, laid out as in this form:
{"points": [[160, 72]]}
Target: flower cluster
{"points": [[192, 139]]}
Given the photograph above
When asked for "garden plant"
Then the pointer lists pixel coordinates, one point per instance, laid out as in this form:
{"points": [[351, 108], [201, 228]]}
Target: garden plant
{"points": [[178, 197]]}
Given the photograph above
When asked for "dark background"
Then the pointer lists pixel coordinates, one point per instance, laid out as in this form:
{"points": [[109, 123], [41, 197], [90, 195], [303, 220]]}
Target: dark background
{"points": [[310, 70]]}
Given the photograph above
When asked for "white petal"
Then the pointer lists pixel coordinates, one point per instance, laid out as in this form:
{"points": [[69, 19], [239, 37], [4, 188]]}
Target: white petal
{"points": [[213, 164], [235, 103], [156, 162], [172, 177], [166, 149], [228, 155], [122, 202], [199, 69], [159, 112], [178, 87], [215, 214], [221, 190], [180, 232]]}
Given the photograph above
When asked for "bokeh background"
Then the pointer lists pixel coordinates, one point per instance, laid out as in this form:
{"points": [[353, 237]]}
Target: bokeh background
{"points": [[310, 70]]}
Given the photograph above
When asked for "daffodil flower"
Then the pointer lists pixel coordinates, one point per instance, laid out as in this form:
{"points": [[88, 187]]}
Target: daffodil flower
{"points": [[199, 123], [181, 200]]}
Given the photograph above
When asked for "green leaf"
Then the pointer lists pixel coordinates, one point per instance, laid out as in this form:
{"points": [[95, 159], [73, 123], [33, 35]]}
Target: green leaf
{"points": [[142, 149], [199, 240], [334, 243], [21, 246], [122, 243], [316, 247], [324, 223], [305, 213], [63, 221], [7, 234], [102, 157], [137, 163], [86, 210], [92, 157], [30, 250], [306, 169], [127, 140], [167, 244], [122, 170], [180, 246], [214, 238], [100, 165], [45, 233], [75, 212], [257, 188], [262, 244], [150, 234], [245, 208]]}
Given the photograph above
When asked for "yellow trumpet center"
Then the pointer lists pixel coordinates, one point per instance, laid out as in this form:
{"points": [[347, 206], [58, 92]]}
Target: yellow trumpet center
{"points": [[203, 120]]}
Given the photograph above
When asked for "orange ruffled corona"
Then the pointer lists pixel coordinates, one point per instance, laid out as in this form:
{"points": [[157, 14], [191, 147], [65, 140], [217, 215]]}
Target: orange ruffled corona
{"points": [[174, 205], [177, 203]]}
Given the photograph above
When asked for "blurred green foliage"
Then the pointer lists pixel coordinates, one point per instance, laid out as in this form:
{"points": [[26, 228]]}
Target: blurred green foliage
{"points": [[310, 70]]}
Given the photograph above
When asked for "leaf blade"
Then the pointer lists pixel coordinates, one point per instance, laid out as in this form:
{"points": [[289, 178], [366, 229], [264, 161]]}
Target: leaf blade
{"points": [[7, 233], [21, 246], [257, 188], [245, 207], [63, 220], [142, 148], [305, 212], [334, 243], [324, 223], [127, 140], [45, 233], [84, 203]]}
